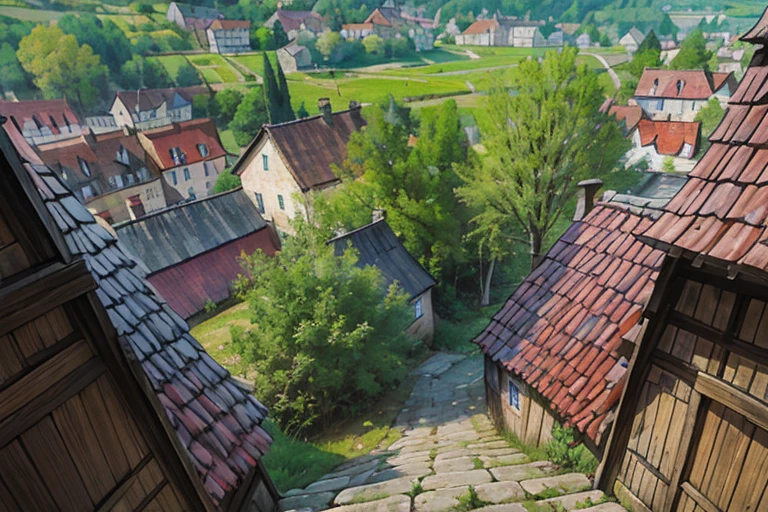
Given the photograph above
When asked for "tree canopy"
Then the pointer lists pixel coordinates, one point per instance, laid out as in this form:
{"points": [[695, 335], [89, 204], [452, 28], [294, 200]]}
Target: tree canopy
{"points": [[648, 55], [693, 53], [187, 75], [105, 38], [226, 181], [249, 117]]}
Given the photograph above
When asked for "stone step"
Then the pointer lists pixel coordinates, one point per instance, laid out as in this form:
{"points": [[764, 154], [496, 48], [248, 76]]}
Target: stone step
{"points": [[439, 501], [576, 501], [565, 484], [415, 470], [504, 460], [605, 507], [352, 471], [499, 492], [507, 507], [523, 471], [456, 479], [399, 503], [452, 465], [370, 492], [312, 501], [332, 484]]}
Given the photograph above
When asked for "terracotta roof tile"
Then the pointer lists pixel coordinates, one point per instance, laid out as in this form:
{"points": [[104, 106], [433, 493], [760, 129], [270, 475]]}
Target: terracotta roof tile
{"points": [[669, 136], [681, 84], [481, 27], [187, 137]]}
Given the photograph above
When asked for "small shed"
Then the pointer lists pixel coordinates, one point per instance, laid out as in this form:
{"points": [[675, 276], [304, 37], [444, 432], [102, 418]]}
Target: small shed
{"points": [[294, 57], [379, 247]]}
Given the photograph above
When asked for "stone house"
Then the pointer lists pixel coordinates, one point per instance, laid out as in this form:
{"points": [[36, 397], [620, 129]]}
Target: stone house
{"points": [[296, 158], [294, 57], [229, 36], [42, 121], [188, 155], [391, 21], [295, 22], [357, 30], [152, 108]]}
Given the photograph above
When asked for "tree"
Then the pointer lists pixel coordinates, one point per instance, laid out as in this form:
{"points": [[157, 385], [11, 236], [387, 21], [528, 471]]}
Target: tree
{"points": [[105, 38], [225, 182], [710, 116], [227, 102], [12, 75], [155, 76], [142, 8], [250, 116], [286, 111], [62, 68], [262, 39], [187, 75], [374, 44], [543, 141], [668, 28], [131, 73], [330, 336], [279, 37], [272, 97], [693, 53], [327, 42], [302, 112], [648, 55]]}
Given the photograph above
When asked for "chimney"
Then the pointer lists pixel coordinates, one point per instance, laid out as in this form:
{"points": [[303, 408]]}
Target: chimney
{"points": [[324, 104], [586, 201], [378, 214], [135, 207], [354, 104]]}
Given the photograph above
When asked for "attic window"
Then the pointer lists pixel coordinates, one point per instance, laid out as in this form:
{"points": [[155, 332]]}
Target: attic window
{"points": [[122, 155], [655, 85], [178, 156], [680, 85], [203, 150], [84, 166]]}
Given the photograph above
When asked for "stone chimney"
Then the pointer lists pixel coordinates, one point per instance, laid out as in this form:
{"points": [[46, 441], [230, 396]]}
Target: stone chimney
{"points": [[324, 105], [378, 214], [354, 104], [586, 200]]}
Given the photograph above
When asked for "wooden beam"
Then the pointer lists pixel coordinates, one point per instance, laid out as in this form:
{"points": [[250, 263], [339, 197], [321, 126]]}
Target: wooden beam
{"points": [[42, 291], [109, 501], [699, 498], [670, 364], [733, 398], [691, 430]]}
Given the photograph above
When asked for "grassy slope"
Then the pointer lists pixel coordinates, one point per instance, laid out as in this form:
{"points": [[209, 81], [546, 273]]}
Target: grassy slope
{"points": [[172, 63]]}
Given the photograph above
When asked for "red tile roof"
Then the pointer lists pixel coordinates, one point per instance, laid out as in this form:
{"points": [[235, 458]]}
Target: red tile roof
{"points": [[378, 18], [358, 26], [696, 84], [229, 25], [50, 113], [669, 136], [561, 330], [721, 215], [185, 136], [629, 114], [481, 27]]}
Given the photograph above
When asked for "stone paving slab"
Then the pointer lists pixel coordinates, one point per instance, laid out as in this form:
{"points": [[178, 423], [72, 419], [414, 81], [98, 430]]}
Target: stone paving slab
{"points": [[311, 501], [439, 501], [568, 483], [453, 465], [522, 472], [361, 479], [504, 460], [333, 484], [416, 470], [497, 452], [498, 492], [353, 470], [438, 364], [446, 480], [453, 454], [409, 458], [605, 507], [398, 503], [572, 501], [374, 491], [489, 445], [507, 507]]}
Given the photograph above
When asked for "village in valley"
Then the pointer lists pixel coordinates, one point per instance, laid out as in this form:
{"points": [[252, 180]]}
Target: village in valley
{"points": [[384, 256]]}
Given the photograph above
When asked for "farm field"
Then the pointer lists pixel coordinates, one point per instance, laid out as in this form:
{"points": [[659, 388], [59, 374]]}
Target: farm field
{"points": [[171, 63], [255, 61], [214, 68]]}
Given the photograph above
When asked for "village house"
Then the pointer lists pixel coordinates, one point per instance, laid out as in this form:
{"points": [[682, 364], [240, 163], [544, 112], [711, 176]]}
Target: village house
{"points": [[294, 57], [42, 121], [558, 350], [628, 116], [295, 22], [108, 403], [390, 21], [508, 31], [152, 108], [188, 155], [656, 141], [294, 159], [675, 95], [583, 41], [190, 252], [192, 17], [632, 40], [352, 31], [379, 247], [229, 36], [692, 429]]}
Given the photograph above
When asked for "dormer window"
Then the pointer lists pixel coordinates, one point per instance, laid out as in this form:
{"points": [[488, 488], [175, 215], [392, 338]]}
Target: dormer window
{"points": [[655, 85], [122, 155], [178, 156], [84, 166], [203, 150], [680, 85]]}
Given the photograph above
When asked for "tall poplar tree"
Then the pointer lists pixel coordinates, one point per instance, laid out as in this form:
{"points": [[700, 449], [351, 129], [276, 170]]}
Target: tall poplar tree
{"points": [[286, 111], [271, 93]]}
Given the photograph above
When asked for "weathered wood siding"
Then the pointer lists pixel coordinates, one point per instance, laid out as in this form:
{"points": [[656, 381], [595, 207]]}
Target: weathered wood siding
{"points": [[423, 328]]}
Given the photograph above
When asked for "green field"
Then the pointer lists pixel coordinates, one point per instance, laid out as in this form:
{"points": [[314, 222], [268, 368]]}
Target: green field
{"points": [[172, 63], [255, 61], [214, 68]]}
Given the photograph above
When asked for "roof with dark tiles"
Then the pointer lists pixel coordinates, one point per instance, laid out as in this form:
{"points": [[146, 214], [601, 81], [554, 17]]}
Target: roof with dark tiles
{"points": [[561, 330], [721, 215], [216, 421]]}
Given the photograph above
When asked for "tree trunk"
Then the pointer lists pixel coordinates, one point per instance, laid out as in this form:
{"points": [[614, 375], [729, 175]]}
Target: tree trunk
{"points": [[536, 242], [486, 301]]}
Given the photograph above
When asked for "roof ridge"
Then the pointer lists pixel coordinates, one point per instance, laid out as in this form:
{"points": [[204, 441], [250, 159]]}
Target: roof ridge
{"points": [[306, 119], [354, 231]]}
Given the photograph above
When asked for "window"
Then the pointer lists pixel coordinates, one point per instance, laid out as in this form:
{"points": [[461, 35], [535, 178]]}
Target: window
{"points": [[84, 166], [260, 202], [174, 180], [417, 309], [187, 177], [178, 156], [514, 395], [265, 161], [687, 151], [207, 184], [203, 150], [280, 202], [87, 192], [680, 85], [191, 194]]}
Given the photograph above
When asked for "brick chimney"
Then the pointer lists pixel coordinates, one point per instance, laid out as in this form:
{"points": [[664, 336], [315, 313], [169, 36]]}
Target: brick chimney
{"points": [[586, 198], [324, 105]]}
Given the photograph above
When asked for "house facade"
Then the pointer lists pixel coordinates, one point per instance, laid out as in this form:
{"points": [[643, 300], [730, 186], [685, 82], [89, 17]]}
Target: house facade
{"points": [[42, 121], [229, 36], [632, 40], [691, 432], [294, 57], [107, 400], [190, 252], [391, 21], [357, 30], [378, 246], [192, 17], [508, 31], [674, 95], [188, 155], [294, 22], [152, 108], [289, 160]]}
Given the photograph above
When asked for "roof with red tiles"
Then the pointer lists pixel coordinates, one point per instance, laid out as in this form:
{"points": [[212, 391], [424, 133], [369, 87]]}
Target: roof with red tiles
{"points": [[561, 330], [309, 147], [669, 137], [721, 215], [217, 423], [629, 114], [481, 27], [230, 25], [682, 84], [377, 17], [185, 136], [50, 113]]}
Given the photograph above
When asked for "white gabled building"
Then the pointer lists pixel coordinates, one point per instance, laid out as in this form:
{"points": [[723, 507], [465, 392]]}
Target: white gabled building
{"points": [[152, 108], [229, 36]]}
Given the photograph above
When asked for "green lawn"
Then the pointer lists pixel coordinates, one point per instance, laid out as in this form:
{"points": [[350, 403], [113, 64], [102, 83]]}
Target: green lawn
{"points": [[172, 63], [228, 141], [215, 68], [255, 62], [37, 15], [211, 76]]}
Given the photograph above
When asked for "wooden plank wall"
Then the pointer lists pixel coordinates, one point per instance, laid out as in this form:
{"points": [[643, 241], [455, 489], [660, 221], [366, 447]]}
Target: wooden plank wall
{"points": [[533, 423], [12, 257]]}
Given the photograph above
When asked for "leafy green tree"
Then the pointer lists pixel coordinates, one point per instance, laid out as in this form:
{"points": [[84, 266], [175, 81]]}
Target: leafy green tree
{"points": [[302, 113], [155, 76], [710, 116], [131, 73], [142, 8], [227, 102], [187, 75], [279, 37], [543, 141], [330, 336], [225, 182], [327, 42], [374, 44], [693, 53], [12, 30], [105, 38], [605, 41], [262, 39], [648, 55], [668, 28], [250, 116], [144, 44], [62, 68], [12, 75], [272, 96], [286, 111], [202, 106]]}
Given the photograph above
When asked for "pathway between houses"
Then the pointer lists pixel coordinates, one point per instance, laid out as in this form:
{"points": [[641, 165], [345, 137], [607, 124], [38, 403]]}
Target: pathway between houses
{"points": [[448, 445], [614, 76]]}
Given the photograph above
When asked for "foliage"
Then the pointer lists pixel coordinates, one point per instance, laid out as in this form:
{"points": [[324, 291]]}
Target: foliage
{"points": [[667, 27], [140, 72], [226, 181], [545, 139], [563, 451], [142, 8], [12, 75], [693, 53], [330, 336], [105, 38], [668, 165], [210, 306], [374, 44], [302, 113], [250, 115], [226, 103], [710, 116], [471, 501], [327, 42], [648, 55], [277, 94], [62, 68], [279, 37], [187, 75], [12, 31], [262, 39], [286, 111]]}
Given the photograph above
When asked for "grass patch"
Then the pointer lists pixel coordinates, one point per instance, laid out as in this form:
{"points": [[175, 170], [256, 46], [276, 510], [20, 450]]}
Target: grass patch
{"points": [[255, 62], [470, 501], [416, 489], [215, 336], [549, 492], [532, 506], [228, 141], [433, 454], [478, 463], [172, 63], [534, 453], [456, 334], [211, 76]]}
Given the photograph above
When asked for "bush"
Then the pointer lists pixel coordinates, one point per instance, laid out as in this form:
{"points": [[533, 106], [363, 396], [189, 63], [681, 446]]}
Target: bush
{"points": [[142, 8], [563, 451]]}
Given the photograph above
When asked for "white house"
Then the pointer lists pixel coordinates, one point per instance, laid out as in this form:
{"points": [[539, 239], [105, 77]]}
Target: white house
{"points": [[152, 108], [229, 36], [632, 40]]}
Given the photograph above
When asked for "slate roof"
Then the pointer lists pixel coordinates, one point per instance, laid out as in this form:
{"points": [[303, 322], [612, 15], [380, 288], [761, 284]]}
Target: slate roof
{"points": [[149, 99], [697, 84], [561, 330], [721, 215], [635, 34], [379, 247], [185, 136], [481, 27], [309, 147], [669, 136], [215, 420], [50, 113], [177, 234]]}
